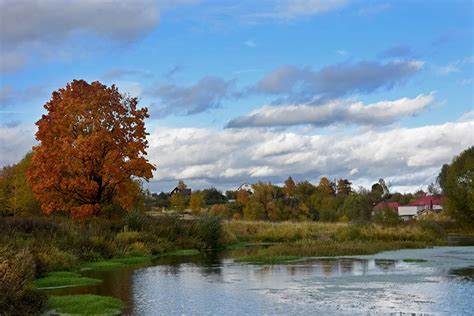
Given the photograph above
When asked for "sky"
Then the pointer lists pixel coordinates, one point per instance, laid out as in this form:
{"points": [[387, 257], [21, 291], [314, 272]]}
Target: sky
{"points": [[247, 91]]}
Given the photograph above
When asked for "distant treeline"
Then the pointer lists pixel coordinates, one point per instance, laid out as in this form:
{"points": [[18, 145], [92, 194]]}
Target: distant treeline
{"points": [[327, 201]]}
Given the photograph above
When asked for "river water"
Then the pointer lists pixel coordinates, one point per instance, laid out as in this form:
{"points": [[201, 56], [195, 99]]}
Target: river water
{"points": [[441, 283]]}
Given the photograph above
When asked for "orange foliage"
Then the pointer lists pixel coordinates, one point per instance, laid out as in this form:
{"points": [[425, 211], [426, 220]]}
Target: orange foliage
{"points": [[92, 146]]}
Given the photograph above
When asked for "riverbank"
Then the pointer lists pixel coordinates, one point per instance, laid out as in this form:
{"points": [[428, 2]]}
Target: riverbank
{"points": [[292, 241], [57, 249]]}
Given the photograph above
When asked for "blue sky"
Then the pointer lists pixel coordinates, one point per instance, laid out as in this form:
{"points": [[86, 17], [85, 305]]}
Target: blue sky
{"points": [[249, 91]]}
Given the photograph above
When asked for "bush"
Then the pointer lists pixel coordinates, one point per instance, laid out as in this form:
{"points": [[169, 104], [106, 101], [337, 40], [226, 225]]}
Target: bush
{"points": [[387, 217], [17, 297], [138, 249], [28, 225], [207, 231], [54, 259], [127, 238], [219, 210], [135, 220]]}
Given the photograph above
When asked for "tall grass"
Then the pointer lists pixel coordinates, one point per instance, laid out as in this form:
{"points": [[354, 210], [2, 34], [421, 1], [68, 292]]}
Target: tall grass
{"points": [[329, 239]]}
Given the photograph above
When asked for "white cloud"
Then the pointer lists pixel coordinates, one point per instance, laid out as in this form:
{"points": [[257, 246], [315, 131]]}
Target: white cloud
{"points": [[52, 20], [15, 142], [335, 112], [407, 157], [52, 28]]}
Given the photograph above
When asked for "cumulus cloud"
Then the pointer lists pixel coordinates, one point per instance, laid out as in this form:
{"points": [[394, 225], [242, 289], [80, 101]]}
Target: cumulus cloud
{"points": [[334, 112], [205, 94], [44, 26], [407, 157], [51, 20], [15, 142], [336, 80]]}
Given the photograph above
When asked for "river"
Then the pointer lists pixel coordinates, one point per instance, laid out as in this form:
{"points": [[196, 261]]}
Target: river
{"points": [[440, 281]]}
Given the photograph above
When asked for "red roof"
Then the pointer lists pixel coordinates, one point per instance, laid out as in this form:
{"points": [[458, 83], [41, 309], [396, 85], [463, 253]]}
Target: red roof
{"points": [[428, 200], [381, 205]]}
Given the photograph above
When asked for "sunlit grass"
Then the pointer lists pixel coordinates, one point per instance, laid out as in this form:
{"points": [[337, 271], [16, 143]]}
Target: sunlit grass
{"points": [[86, 305], [63, 279], [116, 263]]}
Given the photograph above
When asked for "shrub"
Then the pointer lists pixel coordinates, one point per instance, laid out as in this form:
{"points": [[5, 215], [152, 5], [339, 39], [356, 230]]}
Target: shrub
{"points": [[387, 217], [207, 231], [219, 210], [127, 238], [17, 297], [138, 249], [54, 259], [135, 220], [28, 225]]}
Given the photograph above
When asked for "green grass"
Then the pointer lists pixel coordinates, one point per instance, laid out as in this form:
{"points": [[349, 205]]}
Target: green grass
{"points": [[414, 260], [182, 252], [63, 279], [116, 263], [268, 259], [86, 304]]}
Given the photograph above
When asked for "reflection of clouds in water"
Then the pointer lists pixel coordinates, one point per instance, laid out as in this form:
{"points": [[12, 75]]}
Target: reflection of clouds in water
{"points": [[382, 283]]}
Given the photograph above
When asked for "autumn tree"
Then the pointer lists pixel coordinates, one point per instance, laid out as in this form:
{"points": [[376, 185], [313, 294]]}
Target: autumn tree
{"points": [[326, 186], [290, 187], [196, 201], [92, 148], [178, 201], [182, 186]]}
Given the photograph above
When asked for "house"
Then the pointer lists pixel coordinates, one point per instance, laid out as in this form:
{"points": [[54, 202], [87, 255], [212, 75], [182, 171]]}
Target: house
{"points": [[246, 187], [419, 206], [184, 192], [382, 205]]}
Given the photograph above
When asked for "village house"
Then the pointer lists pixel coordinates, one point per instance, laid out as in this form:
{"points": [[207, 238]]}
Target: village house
{"points": [[386, 205], [185, 192], [424, 204], [246, 187]]}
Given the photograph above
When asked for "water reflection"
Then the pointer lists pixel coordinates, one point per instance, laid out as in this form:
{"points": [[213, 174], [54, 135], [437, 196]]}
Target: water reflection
{"points": [[463, 273], [214, 284]]}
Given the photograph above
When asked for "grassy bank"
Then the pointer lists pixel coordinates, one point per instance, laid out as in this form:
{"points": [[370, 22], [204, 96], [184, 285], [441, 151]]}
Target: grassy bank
{"points": [[86, 305], [290, 241], [49, 252]]}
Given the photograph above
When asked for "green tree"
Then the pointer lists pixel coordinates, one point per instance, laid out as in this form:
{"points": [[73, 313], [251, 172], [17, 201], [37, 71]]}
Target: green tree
{"points": [[16, 196], [178, 201], [213, 196], [458, 186], [260, 203], [377, 191], [358, 207], [344, 187]]}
